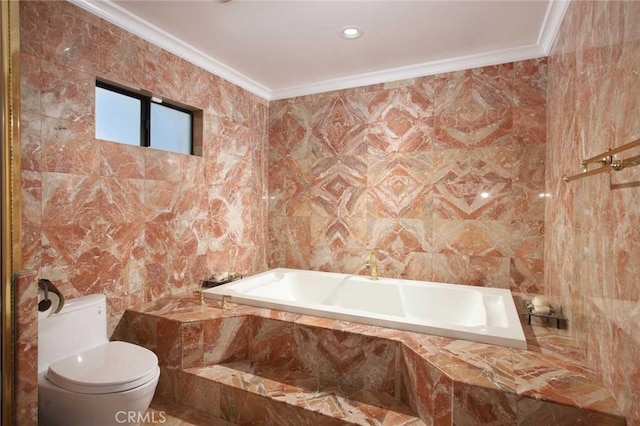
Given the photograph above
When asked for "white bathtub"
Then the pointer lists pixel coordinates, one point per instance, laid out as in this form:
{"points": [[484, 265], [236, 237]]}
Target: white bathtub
{"points": [[480, 314]]}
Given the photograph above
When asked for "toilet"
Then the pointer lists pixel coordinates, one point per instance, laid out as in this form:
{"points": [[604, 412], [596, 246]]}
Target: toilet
{"points": [[83, 378]]}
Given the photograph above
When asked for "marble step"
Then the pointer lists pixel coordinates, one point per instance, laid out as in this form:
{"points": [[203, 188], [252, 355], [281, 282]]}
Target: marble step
{"points": [[248, 393]]}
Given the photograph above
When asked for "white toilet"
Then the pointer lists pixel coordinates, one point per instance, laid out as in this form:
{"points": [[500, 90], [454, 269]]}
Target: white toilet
{"points": [[83, 379]]}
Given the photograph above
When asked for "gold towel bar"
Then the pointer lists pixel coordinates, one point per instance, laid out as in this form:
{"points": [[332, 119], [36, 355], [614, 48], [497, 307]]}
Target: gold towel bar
{"points": [[609, 164], [610, 152]]}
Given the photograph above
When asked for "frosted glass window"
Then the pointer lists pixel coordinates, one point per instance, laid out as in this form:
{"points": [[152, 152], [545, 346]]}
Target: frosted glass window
{"points": [[117, 117], [137, 118], [170, 129]]}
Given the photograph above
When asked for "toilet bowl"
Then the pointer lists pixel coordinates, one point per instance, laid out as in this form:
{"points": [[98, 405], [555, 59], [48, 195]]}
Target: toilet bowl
{"points": [[83, 379]]}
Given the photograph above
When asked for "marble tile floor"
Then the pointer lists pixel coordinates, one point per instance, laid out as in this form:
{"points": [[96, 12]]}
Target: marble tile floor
{"points": [[168, 413]]}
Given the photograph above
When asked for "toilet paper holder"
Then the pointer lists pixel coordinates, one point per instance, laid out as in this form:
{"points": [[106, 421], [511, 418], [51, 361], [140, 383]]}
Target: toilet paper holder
{"points": [[48, 286]]}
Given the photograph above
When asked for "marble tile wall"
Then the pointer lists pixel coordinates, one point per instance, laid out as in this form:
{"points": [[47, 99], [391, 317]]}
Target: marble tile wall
{"points": [[132, 222], [26, 377], [592, 242], [443, 176], [398, 168]]}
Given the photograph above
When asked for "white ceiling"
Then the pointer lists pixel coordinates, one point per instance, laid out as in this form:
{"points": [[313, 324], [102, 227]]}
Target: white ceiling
{"points": [[280, 49]]}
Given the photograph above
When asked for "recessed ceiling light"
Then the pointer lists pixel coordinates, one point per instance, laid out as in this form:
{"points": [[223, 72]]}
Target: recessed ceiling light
{"points": [[351, 32]]}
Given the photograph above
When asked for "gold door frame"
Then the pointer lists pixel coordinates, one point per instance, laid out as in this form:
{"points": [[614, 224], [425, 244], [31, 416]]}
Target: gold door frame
{"points": [[11, 210]]}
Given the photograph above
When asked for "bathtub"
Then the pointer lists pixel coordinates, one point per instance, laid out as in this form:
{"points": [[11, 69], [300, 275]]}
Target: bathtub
{"points": [[481, 314]]}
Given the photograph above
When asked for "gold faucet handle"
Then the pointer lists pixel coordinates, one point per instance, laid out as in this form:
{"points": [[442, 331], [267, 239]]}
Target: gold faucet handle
{"points": [[201, 296], [224, 302]]}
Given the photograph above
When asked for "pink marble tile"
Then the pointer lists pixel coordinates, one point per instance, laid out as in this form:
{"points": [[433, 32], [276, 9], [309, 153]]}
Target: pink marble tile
{"points": [[198, 392], [30, 84], [489, 271], [339, 186], [480, 165], [31, 219], [491, 86], [69, 199], [591, 70], [426, 389], [273, 343], [473, 111], [120, 53], [473, 201], [396, 238], [471, 237], [532, 413], [162, 165], [529, 201], [122, 200], [26, 365], [453, 93], [570, 383], [71, 40], [234, 406], [473, 405], [66, 231], [63, 142], [399, 106], [169, 344], [450, 268], [398, 186], [527, 239], [527, 275], [289, 128], [31, 137], [401, 133], [222, 341], [437, 375], [191, 204], [475, 129], [337, 128], [476, 364], [121, 160], [66, 94], [161, 199], [138, 329], [352, 359], [529, 125], [473, 184], [339, 234], [31, 16]]}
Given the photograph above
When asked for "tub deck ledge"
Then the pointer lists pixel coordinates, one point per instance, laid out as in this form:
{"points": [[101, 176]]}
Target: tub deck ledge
{"points": [[464, 375]]}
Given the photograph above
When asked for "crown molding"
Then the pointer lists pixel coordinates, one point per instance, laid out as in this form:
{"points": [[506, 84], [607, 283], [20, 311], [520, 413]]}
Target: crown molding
{"points": [[119, 16], [412, 71], [551, 24]]}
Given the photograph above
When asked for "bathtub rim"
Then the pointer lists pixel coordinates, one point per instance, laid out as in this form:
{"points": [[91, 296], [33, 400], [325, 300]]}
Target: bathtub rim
{"points": [[511, 336]]}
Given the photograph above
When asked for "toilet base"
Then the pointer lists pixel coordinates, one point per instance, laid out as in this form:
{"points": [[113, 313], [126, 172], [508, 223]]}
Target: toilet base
{"points": [[60, 407]]}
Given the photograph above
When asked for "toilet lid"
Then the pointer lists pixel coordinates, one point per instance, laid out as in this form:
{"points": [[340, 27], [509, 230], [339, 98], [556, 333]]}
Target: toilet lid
{"points": [[108, 368]]}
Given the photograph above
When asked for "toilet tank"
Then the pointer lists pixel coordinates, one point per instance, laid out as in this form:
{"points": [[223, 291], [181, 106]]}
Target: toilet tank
{"points": [[81, 324]]}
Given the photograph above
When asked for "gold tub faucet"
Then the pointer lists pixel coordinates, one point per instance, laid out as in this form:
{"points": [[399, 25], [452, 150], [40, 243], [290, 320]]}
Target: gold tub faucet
{"points": [[372, 265]]}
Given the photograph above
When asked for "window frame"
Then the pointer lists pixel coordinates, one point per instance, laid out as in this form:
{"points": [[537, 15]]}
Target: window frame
{"points": [[145, 114]]}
